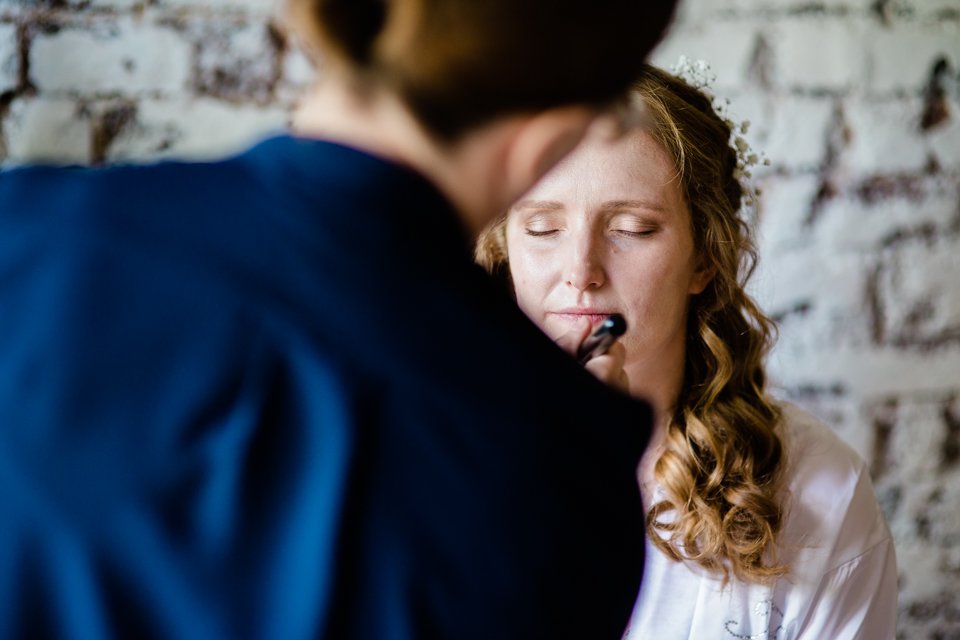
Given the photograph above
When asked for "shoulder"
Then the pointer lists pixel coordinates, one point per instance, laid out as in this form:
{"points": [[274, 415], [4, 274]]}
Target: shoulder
{"points": [[121, 220], [122, 246], [832, 513], [75, 204]]}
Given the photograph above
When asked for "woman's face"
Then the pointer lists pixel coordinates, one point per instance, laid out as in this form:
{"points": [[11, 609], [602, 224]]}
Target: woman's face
{"points": [[608, 231]]}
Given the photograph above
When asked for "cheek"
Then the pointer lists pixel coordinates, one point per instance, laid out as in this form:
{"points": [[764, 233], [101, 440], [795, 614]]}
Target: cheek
{"points": [[525, 268], [525, 285], [529, 299], [531, 282], [655, 287]]}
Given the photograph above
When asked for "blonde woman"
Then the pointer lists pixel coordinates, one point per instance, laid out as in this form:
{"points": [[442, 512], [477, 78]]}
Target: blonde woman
{"points": [[761, 523]]}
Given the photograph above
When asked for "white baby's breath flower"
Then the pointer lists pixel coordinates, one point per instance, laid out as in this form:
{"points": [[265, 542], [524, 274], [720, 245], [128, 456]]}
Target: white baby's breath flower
{"points": [[698, 74]]}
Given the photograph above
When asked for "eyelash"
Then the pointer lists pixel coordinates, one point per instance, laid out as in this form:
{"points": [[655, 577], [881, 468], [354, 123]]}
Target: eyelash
{"points": [[634, 234], [540, 234], [534, 233]]}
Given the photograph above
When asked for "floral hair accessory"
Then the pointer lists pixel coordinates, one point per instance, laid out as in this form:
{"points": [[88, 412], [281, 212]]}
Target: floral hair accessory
{"points": [[699, 75]]}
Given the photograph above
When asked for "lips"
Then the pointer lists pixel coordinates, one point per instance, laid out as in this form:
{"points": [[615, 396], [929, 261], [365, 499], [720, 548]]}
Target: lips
{"points": [[576, 315]]}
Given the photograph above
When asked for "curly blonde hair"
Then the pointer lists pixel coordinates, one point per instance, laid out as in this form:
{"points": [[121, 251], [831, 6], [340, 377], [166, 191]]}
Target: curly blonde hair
{"points": [[721, 505]]}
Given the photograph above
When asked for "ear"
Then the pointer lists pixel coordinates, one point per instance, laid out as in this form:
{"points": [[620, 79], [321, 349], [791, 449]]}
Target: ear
{"points": [[701, 277], [539, 141]]}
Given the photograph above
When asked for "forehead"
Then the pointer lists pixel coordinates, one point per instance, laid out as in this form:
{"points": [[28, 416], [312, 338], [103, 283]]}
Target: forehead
{"points": [[632, 165]]}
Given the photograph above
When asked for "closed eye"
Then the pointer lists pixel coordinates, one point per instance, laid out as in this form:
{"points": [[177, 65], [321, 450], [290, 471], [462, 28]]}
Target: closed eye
{"points": [[541, 233], [631, 233], [628, 224]]}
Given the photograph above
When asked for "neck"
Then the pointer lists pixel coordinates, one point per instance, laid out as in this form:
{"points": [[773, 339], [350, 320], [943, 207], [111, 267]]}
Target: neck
{"points": [[658, 380], [465, 171]]}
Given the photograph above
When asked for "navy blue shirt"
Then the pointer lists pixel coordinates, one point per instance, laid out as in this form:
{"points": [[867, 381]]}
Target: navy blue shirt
{"points": [[273, 397]]}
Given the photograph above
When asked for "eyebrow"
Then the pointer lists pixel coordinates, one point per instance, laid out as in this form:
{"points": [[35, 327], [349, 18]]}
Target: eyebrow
{"points": [[555, 205], [633, 204], [551, 205]]}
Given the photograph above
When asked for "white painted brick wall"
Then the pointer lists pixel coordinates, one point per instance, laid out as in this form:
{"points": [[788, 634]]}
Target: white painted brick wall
{"points": [[234, 60], [697, 10], [797, 135], [109, 4], [44, 129], [849, 224], [885, 136], [9, 57], [859, 219], [13, 8], [784, 209], [259, 7], [819, 53], [830, 289], [944, 140], [864, 372], [127, 55], [194, 129], [891, 71], [920, 291], [915, 453], [297, 74], [925, 518]]}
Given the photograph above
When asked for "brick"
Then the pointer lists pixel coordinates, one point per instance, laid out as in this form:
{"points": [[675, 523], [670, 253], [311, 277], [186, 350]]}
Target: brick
{"points": [[799, 132], [45, 130], [919, 294], [126, 56], [803, 360], [848, 223], [14, 8], [818, 53], [938, 10], [820, 303], [9, 57], [943, 140], [194, 129], [941, 512], [726, 46], [120, 5], [297, 74], [692, 10], [884, 137], [785, 205], [894, 71], [915, 446], [235, 61], [821, 298], [918, 570], [255, 6]]}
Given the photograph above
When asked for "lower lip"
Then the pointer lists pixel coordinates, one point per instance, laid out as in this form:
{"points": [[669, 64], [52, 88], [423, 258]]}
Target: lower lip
{"points": [[576, 318]]}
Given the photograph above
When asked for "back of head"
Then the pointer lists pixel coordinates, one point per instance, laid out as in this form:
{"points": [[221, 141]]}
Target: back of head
{"points": [[460, 63]]}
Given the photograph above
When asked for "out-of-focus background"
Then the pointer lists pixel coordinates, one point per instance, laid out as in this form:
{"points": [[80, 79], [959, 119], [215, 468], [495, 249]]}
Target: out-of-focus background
{"points": [[855, 102]]}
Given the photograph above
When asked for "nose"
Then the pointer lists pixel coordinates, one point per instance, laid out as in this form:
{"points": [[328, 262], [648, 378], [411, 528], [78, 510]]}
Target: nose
{"points": [[584, 268]]}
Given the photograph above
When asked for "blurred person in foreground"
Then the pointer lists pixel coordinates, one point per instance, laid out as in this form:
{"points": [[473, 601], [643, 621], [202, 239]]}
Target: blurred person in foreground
{"points": [[273, 396], [761, 522]]}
